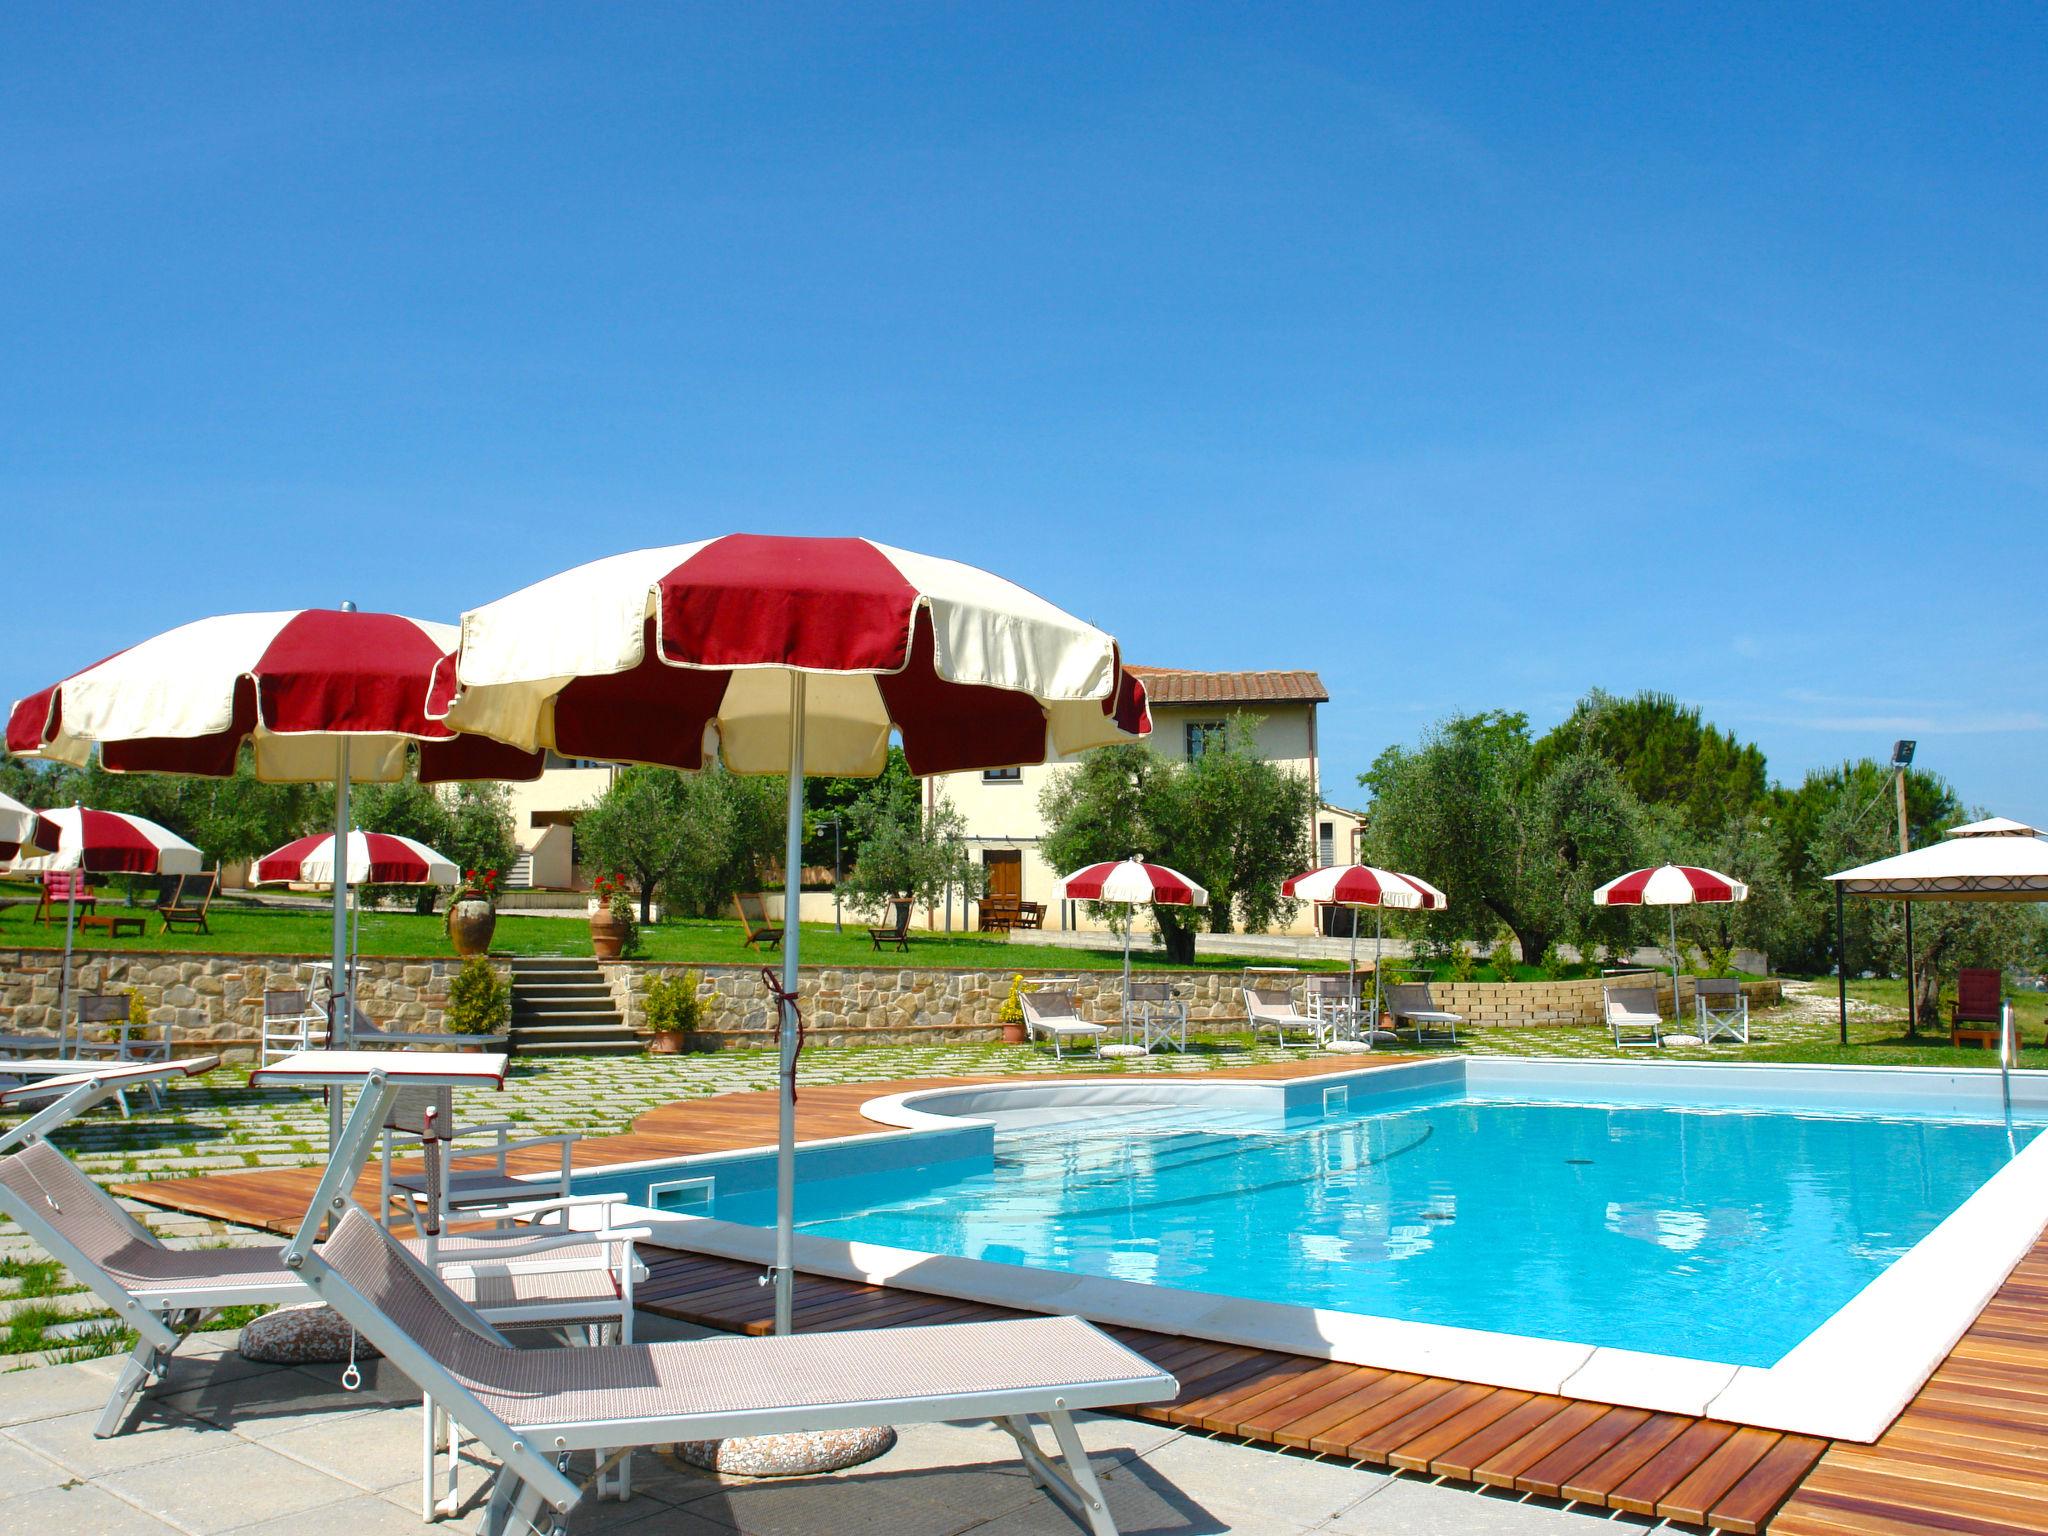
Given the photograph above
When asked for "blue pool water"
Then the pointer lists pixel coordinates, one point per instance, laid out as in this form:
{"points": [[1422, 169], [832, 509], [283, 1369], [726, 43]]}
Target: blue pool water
{"points": [[1717, 1234]]}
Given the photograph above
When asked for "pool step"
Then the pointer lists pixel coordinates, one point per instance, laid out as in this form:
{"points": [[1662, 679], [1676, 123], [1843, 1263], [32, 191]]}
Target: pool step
{"points": [[564, 1007]]}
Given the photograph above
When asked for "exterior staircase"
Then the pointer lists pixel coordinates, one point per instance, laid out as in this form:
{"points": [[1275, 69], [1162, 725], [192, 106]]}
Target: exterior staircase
{"points": [[564, 1007]]}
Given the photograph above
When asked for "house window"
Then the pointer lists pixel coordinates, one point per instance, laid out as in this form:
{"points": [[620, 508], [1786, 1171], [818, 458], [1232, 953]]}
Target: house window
{"points": [[1202, 734], [1326, 842], [556, 760], [1002, 776]]}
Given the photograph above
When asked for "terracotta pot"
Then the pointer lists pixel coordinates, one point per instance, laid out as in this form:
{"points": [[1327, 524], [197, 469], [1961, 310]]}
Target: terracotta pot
{"points": [[1013, 1034], [667, 1042], [607, 938], [471, 922]]}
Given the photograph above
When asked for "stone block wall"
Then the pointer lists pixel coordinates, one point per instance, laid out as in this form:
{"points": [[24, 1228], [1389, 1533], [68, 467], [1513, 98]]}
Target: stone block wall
{"points": [[214, 1001], [1550, 1003]]}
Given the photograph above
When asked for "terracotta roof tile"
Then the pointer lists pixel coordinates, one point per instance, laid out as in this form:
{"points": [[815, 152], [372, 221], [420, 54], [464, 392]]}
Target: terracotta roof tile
{"points": [[1170, 685]]}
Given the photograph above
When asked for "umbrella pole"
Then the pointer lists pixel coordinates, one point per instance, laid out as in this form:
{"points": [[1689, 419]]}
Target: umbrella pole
{"points": [[785, 1091], [1841, 973], [70, 926], [1674, 965], [1130, 921], [1379, 918], [339, 1001]]}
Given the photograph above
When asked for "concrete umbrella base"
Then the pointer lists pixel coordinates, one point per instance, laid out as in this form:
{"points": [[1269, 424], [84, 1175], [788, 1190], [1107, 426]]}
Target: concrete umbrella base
{"points": [[792, 1455]]}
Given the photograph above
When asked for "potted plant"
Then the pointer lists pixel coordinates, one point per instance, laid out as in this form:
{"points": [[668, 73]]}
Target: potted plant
{"points": [[674, 1006], [1011, 1014], [479, 1001], [473, 915], [614, 927]]}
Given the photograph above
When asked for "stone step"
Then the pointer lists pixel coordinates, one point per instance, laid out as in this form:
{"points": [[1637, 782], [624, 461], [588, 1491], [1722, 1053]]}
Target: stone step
{"points": [[581, 1048], [528, 1008], [588, 997]]}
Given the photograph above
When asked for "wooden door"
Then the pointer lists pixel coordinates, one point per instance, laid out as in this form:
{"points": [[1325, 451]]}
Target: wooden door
{"points": [[1005, 868]]}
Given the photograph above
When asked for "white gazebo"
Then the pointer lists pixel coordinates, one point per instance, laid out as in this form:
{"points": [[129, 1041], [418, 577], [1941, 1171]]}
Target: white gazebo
{"points": [[1994, 860]]}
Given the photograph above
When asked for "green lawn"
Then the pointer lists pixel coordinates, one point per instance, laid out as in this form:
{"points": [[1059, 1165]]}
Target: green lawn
{"points": [[245, 928]]}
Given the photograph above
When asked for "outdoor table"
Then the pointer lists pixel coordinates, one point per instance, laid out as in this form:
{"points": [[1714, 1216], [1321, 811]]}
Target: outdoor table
{"points": [[116, 923]]}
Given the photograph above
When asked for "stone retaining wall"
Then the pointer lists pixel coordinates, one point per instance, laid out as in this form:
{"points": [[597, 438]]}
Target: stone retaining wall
{"points": [[215, 1001], [845, 1005]]}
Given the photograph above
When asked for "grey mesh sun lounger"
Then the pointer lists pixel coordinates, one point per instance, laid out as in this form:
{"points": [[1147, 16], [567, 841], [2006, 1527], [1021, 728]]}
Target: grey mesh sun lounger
{"points": [[534, 1408], [1632, 1015]]}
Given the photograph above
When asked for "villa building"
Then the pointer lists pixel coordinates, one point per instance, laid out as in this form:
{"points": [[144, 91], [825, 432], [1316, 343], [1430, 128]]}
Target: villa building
{"points": [[1189, 709]]}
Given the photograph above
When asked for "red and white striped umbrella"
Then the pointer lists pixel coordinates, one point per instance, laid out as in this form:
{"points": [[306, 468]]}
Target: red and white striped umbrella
{"points": [[296, 685], [24, 830], [800, 655], [103, 843], [372, 858], [1669, 885], [112, 843], [320, 696], [1361, 885], [641, 657], [1132, 881], [1673, 886]]}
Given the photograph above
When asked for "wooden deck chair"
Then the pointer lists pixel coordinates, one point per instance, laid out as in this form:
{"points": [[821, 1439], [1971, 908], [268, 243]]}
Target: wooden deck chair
{"points": [[754, 926], [1632, 1015], [1412, 1005], [532, 1408], [58, 888], [1051, 1013], [1975, 1019], [184, 906], [896, 936], [1721, 1009]]}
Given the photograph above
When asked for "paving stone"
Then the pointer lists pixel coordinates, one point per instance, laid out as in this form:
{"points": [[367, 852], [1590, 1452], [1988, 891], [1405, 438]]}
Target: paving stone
{"points": [[235, 1485], [23, 1470], [78, 1510], [363, 1515], [69, 1441], [49, 1391]]}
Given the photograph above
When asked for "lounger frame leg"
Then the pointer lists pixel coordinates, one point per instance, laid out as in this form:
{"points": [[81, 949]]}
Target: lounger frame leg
{"points": [[144, 1365], [1072, 1484]]}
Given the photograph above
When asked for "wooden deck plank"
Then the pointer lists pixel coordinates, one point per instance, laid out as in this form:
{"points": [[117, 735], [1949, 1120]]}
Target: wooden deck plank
{"points": [[1511, 1461], [1724, 1467], [1591, 1483], [1643, 1489], [1417, 1454], [1549, 1475], [1744, 1508]]}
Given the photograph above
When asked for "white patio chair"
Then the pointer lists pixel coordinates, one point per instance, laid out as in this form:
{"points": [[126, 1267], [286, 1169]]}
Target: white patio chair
{"points": [[468, 1180], [1632, 1015], [1051, 1013], [1159, 1016], [1273, 1008], [534, 1408], [291, 1023], [1722, 1009]]}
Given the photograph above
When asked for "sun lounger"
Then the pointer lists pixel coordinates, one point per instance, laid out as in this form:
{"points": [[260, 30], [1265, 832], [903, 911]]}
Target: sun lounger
{"points": [[531, 1406], [1721, 1009], [1052, 1014], [1632, 1015], [1410, 1004], [1273, 1008]]}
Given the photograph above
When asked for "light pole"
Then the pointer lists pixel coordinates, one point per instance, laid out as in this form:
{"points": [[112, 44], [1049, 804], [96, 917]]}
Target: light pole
{"points": [[836, 926], [1902, 759]]}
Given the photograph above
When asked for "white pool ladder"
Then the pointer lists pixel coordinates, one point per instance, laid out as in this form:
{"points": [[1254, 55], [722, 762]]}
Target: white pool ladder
{"points": [[2006, 1055]]}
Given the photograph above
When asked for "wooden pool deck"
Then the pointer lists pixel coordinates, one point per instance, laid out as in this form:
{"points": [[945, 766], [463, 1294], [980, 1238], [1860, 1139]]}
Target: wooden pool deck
{"points": [[1969, 1454]]}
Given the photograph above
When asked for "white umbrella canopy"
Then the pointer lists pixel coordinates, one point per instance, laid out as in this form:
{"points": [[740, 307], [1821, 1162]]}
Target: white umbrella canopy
{"points": [[23, 830], [792, 656]]}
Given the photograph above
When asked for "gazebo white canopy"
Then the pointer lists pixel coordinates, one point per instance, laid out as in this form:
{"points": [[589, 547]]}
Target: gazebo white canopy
{"points": [[1998, 859]]}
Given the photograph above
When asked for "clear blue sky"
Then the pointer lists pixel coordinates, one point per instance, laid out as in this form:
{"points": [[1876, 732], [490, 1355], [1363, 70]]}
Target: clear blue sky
{"points": [[1471, 356]]}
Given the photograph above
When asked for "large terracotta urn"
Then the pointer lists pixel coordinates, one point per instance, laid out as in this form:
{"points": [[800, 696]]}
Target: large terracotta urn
{"points": [[607, 935], [472, 919]]}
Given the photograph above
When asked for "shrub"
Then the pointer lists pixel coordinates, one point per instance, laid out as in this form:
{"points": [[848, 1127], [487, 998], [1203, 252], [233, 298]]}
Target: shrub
{"points": [[675, 1003], [1464, 962], [479, 1002], [1551, 965]]}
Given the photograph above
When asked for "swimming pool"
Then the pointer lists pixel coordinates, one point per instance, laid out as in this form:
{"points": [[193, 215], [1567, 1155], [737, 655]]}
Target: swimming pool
{"points": [[1714, 1217]]}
